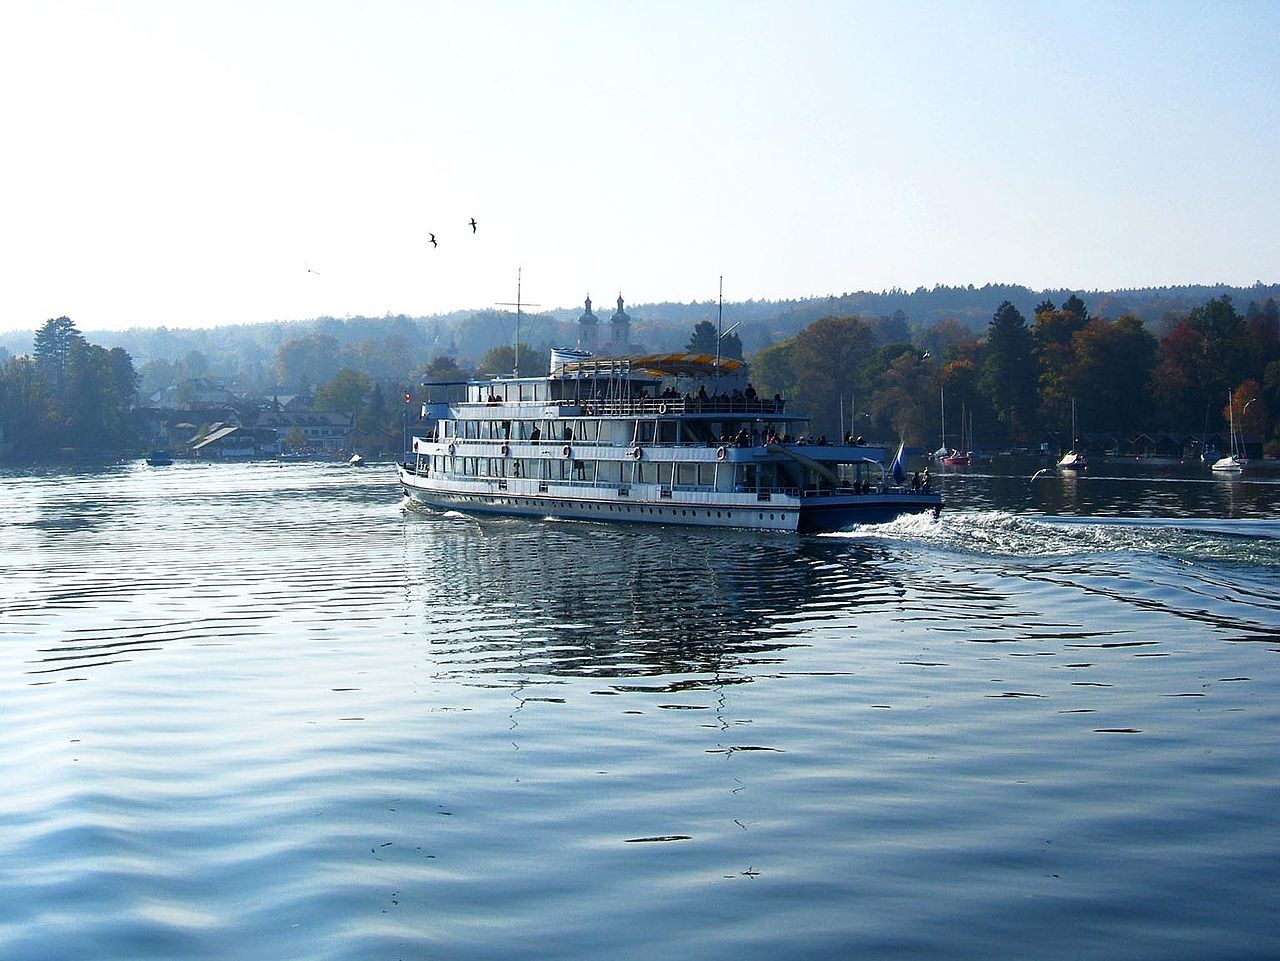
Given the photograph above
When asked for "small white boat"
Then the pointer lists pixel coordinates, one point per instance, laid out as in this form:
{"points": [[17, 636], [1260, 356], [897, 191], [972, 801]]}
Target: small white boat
{"points": [[356, 461]]}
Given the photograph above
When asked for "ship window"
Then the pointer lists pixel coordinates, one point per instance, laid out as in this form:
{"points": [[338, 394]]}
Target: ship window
{"points": [[666, 432], [687, 474], [706, 474], [645, 432]]}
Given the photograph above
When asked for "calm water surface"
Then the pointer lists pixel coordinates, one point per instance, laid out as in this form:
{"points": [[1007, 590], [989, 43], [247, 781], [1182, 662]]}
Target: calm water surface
{"points": [[265, 712]]}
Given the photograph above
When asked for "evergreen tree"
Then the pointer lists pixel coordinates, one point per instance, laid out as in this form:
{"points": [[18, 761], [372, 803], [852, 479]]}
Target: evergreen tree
{"points": [[1008, 374], [53, 344]]}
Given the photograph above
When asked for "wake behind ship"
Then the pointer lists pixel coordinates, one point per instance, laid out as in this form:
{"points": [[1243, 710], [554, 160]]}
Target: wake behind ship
{"points": [[659, 439]]}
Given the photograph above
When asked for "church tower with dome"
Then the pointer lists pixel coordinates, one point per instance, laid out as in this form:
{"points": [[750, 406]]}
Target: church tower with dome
{"points": [[588, 328], [620, 330]]}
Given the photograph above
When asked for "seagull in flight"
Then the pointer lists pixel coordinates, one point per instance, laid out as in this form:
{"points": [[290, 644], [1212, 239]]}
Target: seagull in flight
{"points": [[473, 225], [310, 271], [433, 240]]}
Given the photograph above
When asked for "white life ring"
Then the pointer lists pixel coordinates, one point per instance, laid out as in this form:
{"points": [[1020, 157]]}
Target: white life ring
{"points": [[662, 408], [721, 453], [453, 449], [566, 451], [506, 450], [636, 453]]}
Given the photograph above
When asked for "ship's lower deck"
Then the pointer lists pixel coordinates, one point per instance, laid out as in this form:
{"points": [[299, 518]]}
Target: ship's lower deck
{"points": [[653, 504]]}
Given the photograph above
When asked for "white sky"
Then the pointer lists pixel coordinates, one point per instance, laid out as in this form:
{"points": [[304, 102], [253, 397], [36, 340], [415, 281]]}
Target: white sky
{"points": [[184, 163]]}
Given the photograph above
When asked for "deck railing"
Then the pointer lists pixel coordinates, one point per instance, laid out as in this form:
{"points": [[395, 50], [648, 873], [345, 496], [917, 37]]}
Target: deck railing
{"points": [[627, 406]]}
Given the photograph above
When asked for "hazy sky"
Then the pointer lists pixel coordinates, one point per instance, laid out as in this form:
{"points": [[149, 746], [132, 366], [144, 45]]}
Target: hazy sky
{"points": [[190, 164]]}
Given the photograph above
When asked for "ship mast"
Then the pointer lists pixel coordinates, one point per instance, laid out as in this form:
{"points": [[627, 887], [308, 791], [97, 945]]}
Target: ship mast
{"points": [[517, 305]]}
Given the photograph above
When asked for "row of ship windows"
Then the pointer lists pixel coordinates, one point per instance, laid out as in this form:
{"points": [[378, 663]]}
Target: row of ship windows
{"points": [[621, 509]]}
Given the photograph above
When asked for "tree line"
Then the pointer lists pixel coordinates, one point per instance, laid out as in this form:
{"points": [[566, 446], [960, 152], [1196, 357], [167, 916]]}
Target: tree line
{"points": [[881, 377], [1019, 381]]}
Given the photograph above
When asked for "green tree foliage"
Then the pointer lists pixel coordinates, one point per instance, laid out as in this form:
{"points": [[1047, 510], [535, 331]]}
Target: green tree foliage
{"points": [[347, 392], [941, 339], [312, 359], [1111, 368], [1008, 375], [831, 357], [703, 341], [1263, 324], [905, 396], [69, 394], [26, 411], [1075, 306], [498, 360], [772, 371], [376, 414], [54, 342]]}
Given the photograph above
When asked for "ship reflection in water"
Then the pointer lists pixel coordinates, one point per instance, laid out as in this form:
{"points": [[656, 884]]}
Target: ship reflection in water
{"points": [[598, 600]]}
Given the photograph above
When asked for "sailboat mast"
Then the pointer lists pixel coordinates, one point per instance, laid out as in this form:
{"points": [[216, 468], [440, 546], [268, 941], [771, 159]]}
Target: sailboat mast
{"points": [[942, 392]]}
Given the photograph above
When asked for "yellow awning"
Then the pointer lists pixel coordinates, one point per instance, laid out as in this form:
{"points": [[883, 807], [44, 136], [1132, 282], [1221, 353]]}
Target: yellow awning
{"points": [[658, 365]]}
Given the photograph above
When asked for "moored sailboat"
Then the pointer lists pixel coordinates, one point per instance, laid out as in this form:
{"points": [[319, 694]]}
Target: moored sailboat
{"points": [[1073, 460], [1234, 461]]}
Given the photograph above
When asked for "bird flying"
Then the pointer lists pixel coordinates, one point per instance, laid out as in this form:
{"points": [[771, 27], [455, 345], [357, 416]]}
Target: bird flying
{"points": [[433, 240], [473, 225]]}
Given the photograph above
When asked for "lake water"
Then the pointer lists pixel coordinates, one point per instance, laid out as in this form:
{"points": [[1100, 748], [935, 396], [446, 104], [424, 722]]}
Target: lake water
{"points": [[265, 712]]}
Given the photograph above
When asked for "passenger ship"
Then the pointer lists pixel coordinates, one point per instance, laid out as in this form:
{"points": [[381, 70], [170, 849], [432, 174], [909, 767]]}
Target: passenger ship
{"points": [[613, 438]]}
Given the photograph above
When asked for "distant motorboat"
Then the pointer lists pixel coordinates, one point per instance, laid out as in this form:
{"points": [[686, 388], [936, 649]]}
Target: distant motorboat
{"points": [[159, 458], [356, 461]]}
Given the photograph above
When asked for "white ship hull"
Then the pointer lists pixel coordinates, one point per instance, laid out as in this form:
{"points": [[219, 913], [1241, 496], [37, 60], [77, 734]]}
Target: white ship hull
{"points": [[647, 504]]}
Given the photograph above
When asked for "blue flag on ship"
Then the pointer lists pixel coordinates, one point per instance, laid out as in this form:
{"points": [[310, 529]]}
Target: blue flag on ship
{"points": [[899, 468]]}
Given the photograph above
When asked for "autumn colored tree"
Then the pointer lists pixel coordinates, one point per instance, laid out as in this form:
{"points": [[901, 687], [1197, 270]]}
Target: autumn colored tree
{"points": [[1053, 339], [1201, 358], [1248, 405]]}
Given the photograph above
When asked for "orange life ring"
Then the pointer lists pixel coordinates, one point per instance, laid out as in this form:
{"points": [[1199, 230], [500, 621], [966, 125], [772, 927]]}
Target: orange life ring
{"points": [[720, 454]]}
